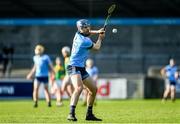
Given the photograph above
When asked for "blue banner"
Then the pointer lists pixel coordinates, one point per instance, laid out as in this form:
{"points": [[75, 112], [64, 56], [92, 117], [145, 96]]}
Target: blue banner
{"points": [[16, 88], [95, 21]]}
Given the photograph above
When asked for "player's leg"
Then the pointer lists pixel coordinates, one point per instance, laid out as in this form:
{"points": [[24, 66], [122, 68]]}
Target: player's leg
{"points": [[47, 94], [92, 89], [58, 93], [173, 92], [85, 94], [78, 87], [36, 85], [70, 89], [52, 87], [65, 86], [166, 92]]}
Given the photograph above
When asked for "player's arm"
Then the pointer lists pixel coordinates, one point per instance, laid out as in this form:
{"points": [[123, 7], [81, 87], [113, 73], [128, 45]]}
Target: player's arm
{"points": [[163, 72], [97, 45], [31, 73], [52, 78], [100, 31], [95, 77], [52, 69], [52, 74], [176, 75]]}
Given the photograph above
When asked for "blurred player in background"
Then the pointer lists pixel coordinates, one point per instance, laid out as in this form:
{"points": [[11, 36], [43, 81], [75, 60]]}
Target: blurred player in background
{"points": [[170, 72], [8, 52], [56, 81], [93, 73], [66, 84], [76, 68], [42, 65]]}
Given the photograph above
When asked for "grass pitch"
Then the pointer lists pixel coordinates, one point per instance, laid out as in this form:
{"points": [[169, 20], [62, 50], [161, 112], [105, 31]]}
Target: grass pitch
{"points": [[111, 111]]}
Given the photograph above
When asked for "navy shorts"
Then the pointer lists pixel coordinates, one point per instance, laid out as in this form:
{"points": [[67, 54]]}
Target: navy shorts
{"points": [[77, 70], [44, 80], [172, 83]]}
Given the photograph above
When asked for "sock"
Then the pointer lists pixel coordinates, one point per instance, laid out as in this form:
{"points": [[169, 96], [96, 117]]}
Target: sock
{"points": [[35, 103], [72, 109], [165, 98], [89, 110], [173, 99]]}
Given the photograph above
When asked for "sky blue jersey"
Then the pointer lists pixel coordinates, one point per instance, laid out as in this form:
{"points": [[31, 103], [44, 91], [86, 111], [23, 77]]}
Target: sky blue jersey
{"points": [[170, 72], [92, 71], [80, 50], [42, 65]]}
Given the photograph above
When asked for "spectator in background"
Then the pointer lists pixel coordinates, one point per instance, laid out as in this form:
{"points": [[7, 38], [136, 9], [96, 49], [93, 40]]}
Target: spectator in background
{"points": [[171, 74], [7, 53], [42, 65], [57, 81], [93, 73], [66, 84]]}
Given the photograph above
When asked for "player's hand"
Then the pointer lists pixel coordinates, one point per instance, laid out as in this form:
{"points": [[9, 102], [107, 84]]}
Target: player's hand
{"points": [[176, 75], [101, 31], [52, 76], [101, 35]]}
